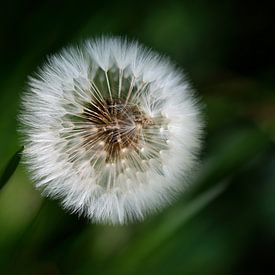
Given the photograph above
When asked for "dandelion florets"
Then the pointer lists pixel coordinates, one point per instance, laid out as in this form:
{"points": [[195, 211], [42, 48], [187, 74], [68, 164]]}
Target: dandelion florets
{"points": [[111, 128]]}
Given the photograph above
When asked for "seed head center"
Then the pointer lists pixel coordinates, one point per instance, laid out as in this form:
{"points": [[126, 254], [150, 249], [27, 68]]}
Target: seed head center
{"points": [[119, 127]]}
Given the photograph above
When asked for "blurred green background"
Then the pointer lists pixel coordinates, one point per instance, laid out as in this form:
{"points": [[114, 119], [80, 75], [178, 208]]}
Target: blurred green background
{"points": [[225, 224]]}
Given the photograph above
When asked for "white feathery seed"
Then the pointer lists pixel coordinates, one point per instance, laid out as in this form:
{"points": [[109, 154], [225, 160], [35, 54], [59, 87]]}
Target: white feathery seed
{"points": [[111, 128]]}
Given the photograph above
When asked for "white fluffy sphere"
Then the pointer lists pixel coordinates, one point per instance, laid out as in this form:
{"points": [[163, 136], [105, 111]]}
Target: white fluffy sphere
{"points": [[111, 128]]}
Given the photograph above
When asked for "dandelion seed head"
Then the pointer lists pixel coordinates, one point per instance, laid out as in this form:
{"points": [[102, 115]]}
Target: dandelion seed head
{"points": [[111, 128]]}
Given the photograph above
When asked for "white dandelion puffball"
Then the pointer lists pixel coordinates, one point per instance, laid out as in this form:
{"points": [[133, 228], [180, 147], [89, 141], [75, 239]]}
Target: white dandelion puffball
{"points": [[111, 129]]}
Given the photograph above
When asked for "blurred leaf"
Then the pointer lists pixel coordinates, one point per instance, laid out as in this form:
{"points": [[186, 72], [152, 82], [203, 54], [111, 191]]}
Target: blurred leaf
{"points": [[171, 223], [10, 167], [19, 204], [229, 153]]}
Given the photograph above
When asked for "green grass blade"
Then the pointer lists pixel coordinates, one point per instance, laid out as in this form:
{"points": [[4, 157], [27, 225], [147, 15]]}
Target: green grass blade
{"points": [[10, 167]]}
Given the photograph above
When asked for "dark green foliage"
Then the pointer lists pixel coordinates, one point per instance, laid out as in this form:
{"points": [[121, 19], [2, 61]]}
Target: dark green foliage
{"points": [[224, 224]]}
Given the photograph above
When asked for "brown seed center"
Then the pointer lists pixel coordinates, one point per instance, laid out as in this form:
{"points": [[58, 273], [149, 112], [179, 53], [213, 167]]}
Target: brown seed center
{"points": [[118, 127]]}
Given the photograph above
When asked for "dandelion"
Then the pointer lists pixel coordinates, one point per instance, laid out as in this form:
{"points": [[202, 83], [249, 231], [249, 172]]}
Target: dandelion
{"points": [[111, 129]]}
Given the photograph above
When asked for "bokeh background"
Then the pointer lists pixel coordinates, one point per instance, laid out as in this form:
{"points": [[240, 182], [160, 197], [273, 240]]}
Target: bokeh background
{"points": [[225, 223]]}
